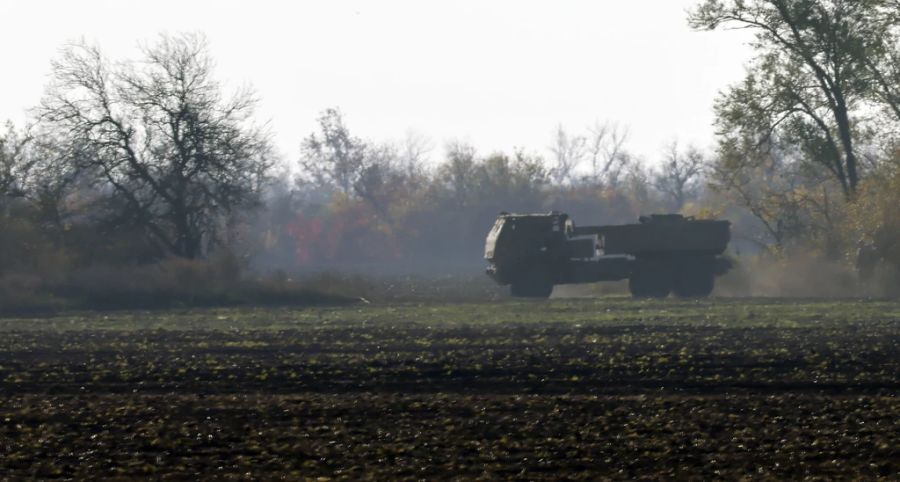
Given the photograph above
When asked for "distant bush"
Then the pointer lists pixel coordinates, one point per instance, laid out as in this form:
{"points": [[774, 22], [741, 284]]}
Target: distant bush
{"points": [[23, 294], [173, 282]]}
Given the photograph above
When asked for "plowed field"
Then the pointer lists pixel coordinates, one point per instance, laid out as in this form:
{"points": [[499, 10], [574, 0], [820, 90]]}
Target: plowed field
{"points": [[580, 389]]}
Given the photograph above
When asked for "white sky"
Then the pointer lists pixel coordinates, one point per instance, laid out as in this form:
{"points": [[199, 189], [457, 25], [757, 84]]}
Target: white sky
{"points": [[497, 74]]}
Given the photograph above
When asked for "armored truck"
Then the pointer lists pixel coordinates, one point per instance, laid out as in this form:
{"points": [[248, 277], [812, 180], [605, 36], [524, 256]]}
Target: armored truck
{"points": [[659, 255]]}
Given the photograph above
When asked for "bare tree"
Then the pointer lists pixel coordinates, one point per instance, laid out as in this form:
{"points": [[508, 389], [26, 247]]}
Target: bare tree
{"points": [[37, 177], [605, 150], [178, 156], [414, 151], [15, 166], [568, 153], [679, 176]]}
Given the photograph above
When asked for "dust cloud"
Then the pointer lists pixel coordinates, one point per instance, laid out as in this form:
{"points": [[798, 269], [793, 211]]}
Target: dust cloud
{"points": [[803, 276]]}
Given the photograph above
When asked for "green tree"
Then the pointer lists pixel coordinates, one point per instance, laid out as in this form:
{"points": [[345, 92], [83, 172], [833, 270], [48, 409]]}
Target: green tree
{"points": [[822, 66]]}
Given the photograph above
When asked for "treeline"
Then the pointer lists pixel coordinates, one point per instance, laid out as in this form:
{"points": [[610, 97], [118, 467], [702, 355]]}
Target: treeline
{"points": [[388, 208], [146, 177]]}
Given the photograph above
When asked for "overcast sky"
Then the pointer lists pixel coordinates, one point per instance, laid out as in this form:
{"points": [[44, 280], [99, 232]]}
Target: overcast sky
{"points": [[497, 74]]}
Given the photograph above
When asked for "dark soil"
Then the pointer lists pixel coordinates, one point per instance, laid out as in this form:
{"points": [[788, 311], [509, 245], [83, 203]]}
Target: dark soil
{"points": [[541, 390]]}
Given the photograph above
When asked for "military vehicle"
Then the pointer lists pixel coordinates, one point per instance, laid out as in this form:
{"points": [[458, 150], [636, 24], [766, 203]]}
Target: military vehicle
{"points": [[660, 254]]}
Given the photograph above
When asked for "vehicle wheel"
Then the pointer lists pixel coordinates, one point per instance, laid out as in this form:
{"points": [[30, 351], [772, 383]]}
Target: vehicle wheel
{"points": [[695, 279], [532, 285], [650, 279]]}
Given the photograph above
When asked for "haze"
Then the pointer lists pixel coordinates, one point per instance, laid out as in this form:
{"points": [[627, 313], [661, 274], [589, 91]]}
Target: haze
{"points": [[497, 74]]}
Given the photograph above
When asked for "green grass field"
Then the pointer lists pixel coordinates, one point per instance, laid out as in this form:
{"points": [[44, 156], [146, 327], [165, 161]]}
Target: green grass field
{"points": [[583, 389]]}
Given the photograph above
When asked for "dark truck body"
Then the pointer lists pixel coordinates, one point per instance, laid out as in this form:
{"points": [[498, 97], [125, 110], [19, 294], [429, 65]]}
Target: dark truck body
{"points": [[658, 255]]}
